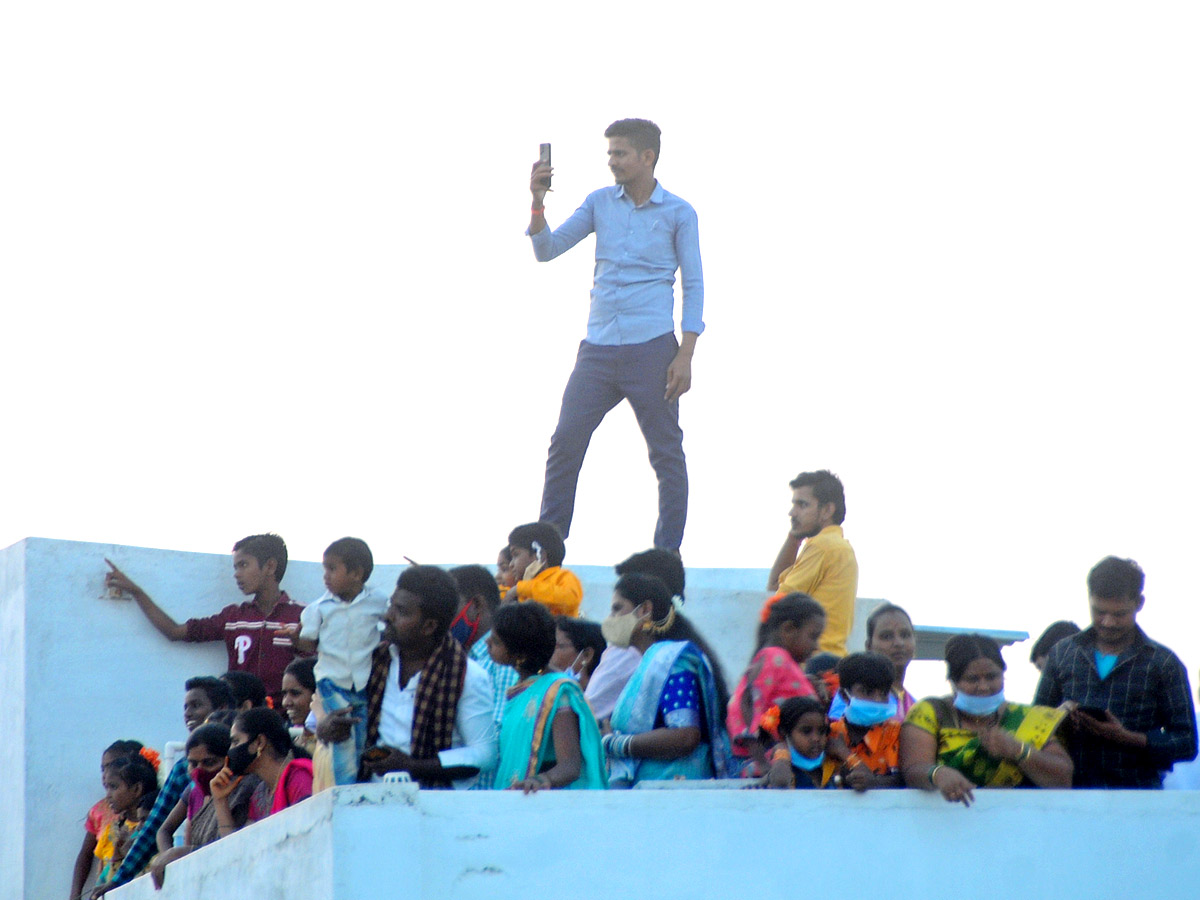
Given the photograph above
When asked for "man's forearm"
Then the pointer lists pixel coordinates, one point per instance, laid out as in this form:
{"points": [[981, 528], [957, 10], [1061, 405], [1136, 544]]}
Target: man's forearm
{"points": [[785, 559], [687, 346]]}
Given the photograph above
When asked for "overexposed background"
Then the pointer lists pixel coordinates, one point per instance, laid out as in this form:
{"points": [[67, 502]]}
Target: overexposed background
{"points": [[264, 269]]}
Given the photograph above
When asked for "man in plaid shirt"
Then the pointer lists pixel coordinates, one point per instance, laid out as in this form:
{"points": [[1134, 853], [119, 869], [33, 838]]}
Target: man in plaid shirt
{"points": [[1131, 706]]}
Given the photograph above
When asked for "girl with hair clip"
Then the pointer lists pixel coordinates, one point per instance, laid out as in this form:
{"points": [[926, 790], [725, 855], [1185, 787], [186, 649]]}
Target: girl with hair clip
{"points": [[98, 817], [131, 787], [786, 638], [668, 721]]}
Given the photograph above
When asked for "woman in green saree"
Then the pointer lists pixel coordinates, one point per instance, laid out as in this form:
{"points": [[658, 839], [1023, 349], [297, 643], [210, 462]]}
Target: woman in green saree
{"points": [[548, 735], [975, 738]]}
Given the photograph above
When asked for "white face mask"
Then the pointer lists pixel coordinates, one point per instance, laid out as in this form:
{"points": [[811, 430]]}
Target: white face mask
{"points": [[618, 630]]}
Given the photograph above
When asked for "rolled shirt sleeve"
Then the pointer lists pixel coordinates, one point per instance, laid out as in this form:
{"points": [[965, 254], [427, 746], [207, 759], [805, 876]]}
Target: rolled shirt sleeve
{"points": [[691, 272], [310, 622]]}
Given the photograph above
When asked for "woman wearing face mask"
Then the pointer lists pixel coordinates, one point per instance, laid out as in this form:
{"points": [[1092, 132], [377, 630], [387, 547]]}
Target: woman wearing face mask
{"points": [[206, 750], [974, 738], [669, 720], [260, 745]]}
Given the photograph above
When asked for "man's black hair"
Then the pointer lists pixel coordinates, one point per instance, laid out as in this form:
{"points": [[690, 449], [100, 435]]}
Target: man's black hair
{"points": [[545, 535], [245, 686], [354, 554], [265, 547], [826, 488], [436, 592], [218, 692], [1114, 578], [641, 133], [476, 581]]}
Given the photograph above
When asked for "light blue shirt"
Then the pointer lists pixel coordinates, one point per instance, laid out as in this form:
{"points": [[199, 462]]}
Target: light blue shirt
{"points": [[638, 250]]}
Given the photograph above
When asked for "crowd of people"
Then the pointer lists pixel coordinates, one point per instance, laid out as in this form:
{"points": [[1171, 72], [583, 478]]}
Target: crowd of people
{"points": [[474, 679]]}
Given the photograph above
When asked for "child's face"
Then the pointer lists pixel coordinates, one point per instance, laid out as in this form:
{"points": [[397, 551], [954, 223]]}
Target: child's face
{"points": [[521, 560], [801, 641], [498, 651], [340, 581], [880, 695], [809, 734], [250, 575], [504, 570], [122, 798]]}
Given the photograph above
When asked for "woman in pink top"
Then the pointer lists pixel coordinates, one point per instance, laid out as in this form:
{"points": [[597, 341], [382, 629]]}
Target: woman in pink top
{"points": [[786, 638], [262, 746]]}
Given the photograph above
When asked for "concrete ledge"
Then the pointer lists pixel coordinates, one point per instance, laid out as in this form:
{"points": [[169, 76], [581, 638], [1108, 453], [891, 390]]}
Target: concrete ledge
{"points": [[394, 841]]}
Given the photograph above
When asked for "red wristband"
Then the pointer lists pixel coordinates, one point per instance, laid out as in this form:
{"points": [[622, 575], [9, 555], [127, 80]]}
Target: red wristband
{"points": [[537, 210]]}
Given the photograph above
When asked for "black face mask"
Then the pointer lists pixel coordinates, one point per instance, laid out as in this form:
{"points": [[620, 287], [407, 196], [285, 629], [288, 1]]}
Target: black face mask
{"points": [[240, 758]]}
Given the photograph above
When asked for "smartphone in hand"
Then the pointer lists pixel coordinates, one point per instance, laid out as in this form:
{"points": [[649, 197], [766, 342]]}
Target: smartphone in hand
{"points": [[544, 159]]}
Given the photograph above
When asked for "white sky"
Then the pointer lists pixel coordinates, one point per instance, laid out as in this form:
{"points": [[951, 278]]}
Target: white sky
{"points": [[265, 268]]}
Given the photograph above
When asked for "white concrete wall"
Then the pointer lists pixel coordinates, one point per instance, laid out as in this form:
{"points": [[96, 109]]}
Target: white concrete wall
{"points": [[396, 842], [79, 670]]}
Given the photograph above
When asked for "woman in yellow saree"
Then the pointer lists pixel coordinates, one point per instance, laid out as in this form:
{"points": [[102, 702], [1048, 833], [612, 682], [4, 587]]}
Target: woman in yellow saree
{"points": [[548, 735], [975, 738]]}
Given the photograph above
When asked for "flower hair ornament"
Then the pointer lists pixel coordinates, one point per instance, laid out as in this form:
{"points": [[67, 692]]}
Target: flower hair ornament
{"points": [[150, 756], [770, 721]]}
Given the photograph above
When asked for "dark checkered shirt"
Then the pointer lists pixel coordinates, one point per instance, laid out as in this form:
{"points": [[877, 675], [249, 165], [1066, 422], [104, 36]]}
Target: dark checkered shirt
{"points": [[1147, 690]]}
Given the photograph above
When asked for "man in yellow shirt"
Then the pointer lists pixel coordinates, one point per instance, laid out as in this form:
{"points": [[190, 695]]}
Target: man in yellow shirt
{"points": [[537, 553], [816, 559]]}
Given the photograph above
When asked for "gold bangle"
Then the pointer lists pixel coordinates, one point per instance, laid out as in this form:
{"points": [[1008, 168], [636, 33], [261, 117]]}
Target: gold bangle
{"points": [[1026, 752], [933, 774]]}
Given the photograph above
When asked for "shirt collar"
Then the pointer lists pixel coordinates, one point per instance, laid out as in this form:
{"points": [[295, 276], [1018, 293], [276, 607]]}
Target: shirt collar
{"points": [[1087, 638], [656, 196]]}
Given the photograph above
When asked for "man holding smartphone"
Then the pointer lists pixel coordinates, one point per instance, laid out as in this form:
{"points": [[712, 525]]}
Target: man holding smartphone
{"points": [[643, 236], [1130, 703]]}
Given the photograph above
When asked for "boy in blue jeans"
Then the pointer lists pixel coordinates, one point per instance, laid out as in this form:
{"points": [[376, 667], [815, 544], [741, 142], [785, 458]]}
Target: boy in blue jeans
{"points": [[343, 627]]}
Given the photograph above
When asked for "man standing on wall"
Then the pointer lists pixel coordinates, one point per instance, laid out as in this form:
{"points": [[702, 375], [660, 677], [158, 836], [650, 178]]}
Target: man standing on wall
{"points": [[643, 235]]}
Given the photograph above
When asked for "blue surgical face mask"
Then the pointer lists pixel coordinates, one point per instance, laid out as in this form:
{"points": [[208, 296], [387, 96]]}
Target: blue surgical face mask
{"points": [[978, 706], [807, 763], [868, 713]]}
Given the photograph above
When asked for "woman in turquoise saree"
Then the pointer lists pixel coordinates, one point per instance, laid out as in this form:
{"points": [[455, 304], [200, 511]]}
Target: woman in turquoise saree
{"points": [[669, 721], [548, 735]]}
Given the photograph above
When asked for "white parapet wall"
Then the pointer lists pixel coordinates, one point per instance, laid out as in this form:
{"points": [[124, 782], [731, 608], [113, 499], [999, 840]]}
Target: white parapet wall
{"points": [[79, 670], [397, 842]]}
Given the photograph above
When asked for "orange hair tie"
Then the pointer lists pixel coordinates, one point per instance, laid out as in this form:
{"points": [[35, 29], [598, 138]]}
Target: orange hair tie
{"points": [[770, 720], [270, 702], [766, 610], [150, 756]]}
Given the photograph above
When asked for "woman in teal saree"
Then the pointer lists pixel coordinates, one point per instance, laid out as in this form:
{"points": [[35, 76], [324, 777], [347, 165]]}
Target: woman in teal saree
{"points": [[548, 735]]}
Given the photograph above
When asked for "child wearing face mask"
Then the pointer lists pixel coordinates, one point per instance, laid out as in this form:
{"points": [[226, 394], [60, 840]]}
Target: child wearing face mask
{"points": [[865, 741], [798, 761]]}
